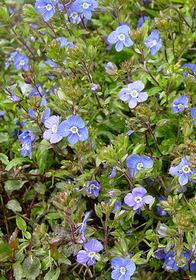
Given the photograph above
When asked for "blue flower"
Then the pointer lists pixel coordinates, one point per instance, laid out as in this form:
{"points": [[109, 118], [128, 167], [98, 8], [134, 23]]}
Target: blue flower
{"points": [[73, 16], [21, 61], [14, 98], [137, 198], [26, 149], [26, 136], [187, 256], [136, 163], [52, 133], [179, 104], [85, 7], [37, 91], [123, 268], [183, 171], [133, 94], [162, 230], [46, 8], [82, 226], [93, 188], [153, 42], [94, 87], [141, 20], [89, 254], [193, 114], [159, 209], [160, 254], [63, 42], [74, 127], [170, 261], [120, 37], [193, 68]]}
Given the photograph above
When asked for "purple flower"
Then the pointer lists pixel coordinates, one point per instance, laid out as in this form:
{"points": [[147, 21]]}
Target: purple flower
{"points": [[120, 37], [21, 61], [133, 94], [123, 268], [46, 8], [160, 254], [183, 171], [141, 20], [111, 68], [179, 104], [162, 230], [113, 172], [52, 133], [93, 188], [74, 127], [94, 87], [85, 7], [159, 209], [153, 42], [14, 98], [89, 254], [193, 114], [137, 198], [136, 163]]}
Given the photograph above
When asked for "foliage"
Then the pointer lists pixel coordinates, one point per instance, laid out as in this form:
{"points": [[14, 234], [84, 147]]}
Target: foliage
{"points": [[98, 148]]}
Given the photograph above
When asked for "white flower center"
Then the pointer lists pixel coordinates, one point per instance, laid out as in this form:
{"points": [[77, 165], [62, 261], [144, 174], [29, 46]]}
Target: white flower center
{"points": [[134, 93], [74, 129], [138, 199], [153, 43], [54, 128], [85, 5], [91, 254], [139, 166], [179, 106], [74, 15], [121, 37], [186, 169], [92, 186], [122, 270], [22, 62], [26, 147], [48, 7]]}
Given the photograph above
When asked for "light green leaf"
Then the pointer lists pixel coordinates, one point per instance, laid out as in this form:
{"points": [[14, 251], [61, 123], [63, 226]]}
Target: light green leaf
{"points": [[4, 159], [18, 271], [15, 162], [21, 224], [14, 205], [52, 274], [31, 267]]}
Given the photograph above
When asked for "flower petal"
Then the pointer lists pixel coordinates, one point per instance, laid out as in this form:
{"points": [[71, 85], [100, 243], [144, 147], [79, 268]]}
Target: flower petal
{"points": [[82, 257], [93, 245]]}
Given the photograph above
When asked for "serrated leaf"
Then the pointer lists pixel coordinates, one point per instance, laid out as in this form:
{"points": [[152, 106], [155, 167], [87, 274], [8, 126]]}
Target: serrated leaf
{"points": [[31, 267], [14, 205], [52, 274], [4, 159], [18, 271], [21, 224]]}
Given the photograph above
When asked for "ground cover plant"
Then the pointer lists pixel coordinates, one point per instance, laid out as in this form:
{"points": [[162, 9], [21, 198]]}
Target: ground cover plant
{"points": [[98, 148]]}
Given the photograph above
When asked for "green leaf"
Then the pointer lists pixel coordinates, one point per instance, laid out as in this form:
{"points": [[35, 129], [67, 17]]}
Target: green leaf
{"points": [[15, 162], [21, 224], [5, 252], [52, 274], [40, 188], [44, 156], [4, 159], [31, 267], [18, 271], [12, 185], [4, 137], [14, 205]]}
